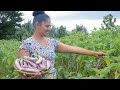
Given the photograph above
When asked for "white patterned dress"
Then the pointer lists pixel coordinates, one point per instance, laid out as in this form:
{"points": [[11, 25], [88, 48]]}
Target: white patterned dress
{"points": [[49, 52]]}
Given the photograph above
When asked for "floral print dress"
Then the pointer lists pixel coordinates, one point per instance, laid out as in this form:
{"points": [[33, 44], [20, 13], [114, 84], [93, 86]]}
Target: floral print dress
{"points": [[49, 52]]}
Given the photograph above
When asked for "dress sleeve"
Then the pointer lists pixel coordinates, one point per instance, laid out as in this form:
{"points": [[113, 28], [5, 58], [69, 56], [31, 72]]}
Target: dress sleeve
{"points": [[25, 46]]}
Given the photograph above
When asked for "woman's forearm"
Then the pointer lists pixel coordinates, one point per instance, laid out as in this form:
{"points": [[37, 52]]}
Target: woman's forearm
{"points": [[63, 48], [78, 50]]}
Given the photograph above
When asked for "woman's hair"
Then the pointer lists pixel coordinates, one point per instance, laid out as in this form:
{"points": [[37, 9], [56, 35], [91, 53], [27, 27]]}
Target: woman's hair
{"points": [[39, 16]]}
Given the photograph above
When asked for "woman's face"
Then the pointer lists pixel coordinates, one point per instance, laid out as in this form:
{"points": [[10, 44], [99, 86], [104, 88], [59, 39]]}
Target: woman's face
{"points": [[44, 27]]}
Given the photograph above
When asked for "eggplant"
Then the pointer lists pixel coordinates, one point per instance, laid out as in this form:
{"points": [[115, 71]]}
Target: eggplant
{"points": [[39, 60], [30, 62], [48, 64], [30, 58]]}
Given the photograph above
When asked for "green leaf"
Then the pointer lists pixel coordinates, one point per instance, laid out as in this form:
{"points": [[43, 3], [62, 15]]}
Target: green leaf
{"points": [[96, 70], [104, 71], [107, 60], [9, 61], [116, 74], [4, 59]]}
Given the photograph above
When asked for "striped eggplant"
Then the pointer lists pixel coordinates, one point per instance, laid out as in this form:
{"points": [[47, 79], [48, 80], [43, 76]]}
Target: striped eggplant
{"points": [[39, 60], [30, 62], [30, 58], [17, 64]]}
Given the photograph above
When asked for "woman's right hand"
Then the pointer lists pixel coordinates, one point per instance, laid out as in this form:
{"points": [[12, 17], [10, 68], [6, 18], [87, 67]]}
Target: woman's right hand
{"points": [[100, 54]]}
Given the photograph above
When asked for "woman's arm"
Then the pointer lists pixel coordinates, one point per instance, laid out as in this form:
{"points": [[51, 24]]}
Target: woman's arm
{"points": [[23, 53], [63, 48]]}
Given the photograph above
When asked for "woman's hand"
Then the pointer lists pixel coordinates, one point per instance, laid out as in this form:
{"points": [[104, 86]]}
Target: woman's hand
{"points": [[27, 76], [99, 54]]}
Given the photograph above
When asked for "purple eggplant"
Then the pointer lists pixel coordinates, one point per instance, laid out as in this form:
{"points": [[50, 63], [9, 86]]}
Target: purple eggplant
{"points": [[17, 64], [30, 70], [25, 63], [30, 58], [30, 62], [39, 60]]}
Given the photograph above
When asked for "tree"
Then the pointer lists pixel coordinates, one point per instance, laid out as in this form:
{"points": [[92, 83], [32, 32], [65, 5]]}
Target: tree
{"points": [[52, 33], [57, 32], [108, 22], [25, 31], [61, 31], [9, 21], [80, 28]]}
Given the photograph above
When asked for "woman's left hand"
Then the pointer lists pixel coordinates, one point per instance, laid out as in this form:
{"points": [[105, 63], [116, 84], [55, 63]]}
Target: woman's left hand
{"points": [[27, 76], [99, 54]]}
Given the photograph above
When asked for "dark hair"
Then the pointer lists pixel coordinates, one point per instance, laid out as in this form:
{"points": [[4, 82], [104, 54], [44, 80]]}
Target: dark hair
{"points": [[39, 16]]}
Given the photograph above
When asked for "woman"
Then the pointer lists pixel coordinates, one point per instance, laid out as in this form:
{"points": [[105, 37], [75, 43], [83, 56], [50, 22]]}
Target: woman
{"points": [[47, 47]]}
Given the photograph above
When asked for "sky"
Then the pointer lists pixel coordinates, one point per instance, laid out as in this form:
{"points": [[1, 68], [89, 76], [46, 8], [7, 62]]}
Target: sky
{"points": [[69, 19]]}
